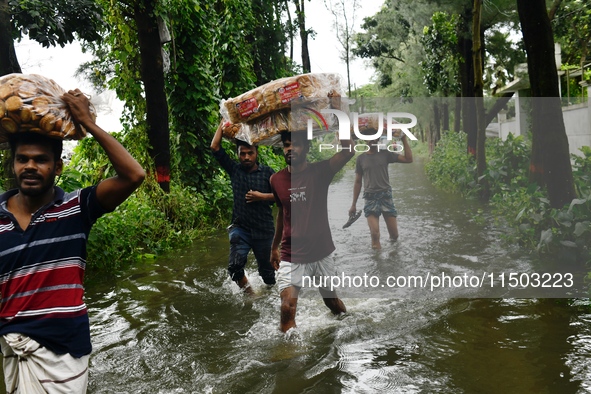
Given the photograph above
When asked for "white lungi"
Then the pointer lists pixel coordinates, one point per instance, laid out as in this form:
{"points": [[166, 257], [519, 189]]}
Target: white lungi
{"points": [[30, 368]]}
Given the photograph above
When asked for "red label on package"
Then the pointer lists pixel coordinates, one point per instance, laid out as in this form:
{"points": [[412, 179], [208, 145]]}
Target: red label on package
{"points": [[247, 107], [363, 121], [289, 92]]}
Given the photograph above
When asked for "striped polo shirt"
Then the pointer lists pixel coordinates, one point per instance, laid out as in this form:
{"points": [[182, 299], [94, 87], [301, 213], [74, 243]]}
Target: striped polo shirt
{"points": [[42, 271]]}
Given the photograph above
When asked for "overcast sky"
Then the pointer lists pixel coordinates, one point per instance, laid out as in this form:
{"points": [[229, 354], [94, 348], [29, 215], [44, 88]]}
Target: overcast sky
{"points": [[325, 49], [60, 64]]}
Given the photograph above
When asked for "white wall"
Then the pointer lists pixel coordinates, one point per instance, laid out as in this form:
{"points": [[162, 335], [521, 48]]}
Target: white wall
{"points": [[577, 121]]}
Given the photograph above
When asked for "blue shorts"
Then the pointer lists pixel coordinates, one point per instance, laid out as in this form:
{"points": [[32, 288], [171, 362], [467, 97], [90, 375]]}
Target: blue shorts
{"points": [[379, 203]]}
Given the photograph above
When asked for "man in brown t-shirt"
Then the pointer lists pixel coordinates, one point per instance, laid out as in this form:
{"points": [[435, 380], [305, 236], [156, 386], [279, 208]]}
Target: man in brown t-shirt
{"points": [[302, 229], [372, 169]]}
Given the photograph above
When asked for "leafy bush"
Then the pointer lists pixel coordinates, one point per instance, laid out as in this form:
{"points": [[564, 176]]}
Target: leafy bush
{"points": [[538, 225], [507, 164], [148, 224], [524, 206], [450, 167]]}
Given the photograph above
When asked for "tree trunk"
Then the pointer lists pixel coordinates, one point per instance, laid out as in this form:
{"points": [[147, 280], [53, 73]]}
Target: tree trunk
{"points": [[479, 100], [458, 113], [445, 114], [467, 81], [497, 106], [550, 160], [8, 61], [436, 135], [290, 31], [348, 60], [301, 17], [554, 8], [152, 74], [8, 65]]}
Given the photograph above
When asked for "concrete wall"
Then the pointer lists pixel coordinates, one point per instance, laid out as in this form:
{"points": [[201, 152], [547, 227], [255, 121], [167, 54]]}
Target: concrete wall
{"points": [[577, 121]]}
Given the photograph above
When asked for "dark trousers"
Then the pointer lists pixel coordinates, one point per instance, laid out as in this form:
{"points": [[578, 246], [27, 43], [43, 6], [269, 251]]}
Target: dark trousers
{"points": [[241, 243]]}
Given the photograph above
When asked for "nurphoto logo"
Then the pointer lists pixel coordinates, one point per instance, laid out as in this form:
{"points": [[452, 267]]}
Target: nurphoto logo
{"points": [[344, 130]]}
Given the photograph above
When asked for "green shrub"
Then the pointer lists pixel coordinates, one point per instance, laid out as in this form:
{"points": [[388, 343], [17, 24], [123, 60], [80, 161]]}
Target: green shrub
{"points": [[516, 201], [450, 167], [148, 224]]}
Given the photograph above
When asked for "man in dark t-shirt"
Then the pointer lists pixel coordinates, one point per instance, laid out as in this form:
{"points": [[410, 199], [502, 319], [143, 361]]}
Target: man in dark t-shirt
{"points": [[302, 228], [372, 169], [252, 218]]}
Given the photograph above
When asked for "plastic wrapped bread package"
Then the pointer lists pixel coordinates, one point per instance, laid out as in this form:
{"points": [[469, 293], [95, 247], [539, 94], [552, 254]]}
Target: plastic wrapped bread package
{"points": [[231, 130], [32, 103], [279, 94], [369, 123], [267, 130]]}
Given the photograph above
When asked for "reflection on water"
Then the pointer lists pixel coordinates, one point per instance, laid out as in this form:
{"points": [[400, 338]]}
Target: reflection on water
{"points": [[179, 325]]}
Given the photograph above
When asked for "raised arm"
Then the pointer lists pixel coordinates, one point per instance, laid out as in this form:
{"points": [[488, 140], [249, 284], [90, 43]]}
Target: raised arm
{"points": [[112, 191], [407, 157], [216, 141], [341, 158]]}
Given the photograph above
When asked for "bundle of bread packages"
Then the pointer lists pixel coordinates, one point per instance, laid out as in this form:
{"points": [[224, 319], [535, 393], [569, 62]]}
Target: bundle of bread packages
{"points": [[32, 103], [261, 114], [370, 122]]}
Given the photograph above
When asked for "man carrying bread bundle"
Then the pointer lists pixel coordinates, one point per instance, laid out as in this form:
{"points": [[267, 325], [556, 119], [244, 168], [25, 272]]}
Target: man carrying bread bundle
{"points": [[252, 219], [371, 170], [44, 326], [303, 244]]}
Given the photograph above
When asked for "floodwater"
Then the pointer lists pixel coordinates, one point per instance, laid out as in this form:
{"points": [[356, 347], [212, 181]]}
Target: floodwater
{"points": [[179, 325]]}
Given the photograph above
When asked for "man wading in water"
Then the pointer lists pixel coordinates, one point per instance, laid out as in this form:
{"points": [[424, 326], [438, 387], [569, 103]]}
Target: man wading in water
{"points": [[372, 169], [302, 228], [252, 219]]}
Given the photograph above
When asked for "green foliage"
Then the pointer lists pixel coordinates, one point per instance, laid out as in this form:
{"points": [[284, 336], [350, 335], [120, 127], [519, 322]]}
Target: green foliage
{"points": [[419, 148], [572, 30], [220, 49], [390, 40], [72, 179], [148, 224], [570, 90], [211, 62], [56, 22], [508, 164], [524, 206], [384, 35], [90, 164], [269, 33], [369, 90], [440, 67], [582, 171], [272, 157], [503, 55], [450, 167], [221, 52], [5, 160], [405, 35]]}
